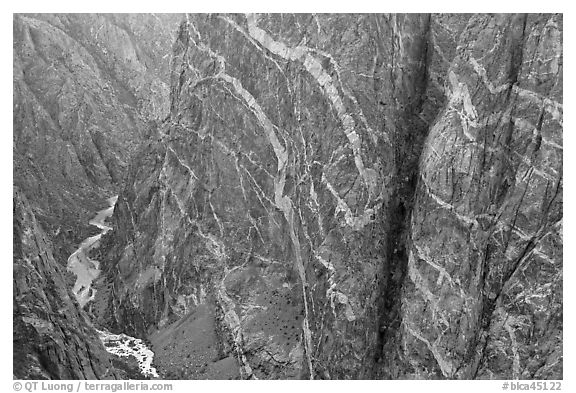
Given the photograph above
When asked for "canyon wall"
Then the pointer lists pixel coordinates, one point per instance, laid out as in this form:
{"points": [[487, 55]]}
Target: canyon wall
{"points": [[53, 337], [359, 196], [308, 196], [85, 88], [483, 292]]}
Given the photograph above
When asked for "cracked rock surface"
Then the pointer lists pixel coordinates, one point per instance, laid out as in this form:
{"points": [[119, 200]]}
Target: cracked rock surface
{"points": [[85, 88], [53, 337], [346, 197]]}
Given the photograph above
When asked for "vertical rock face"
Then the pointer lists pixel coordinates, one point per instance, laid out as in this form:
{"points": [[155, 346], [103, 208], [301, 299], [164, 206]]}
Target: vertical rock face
{"points": [[270, 187], [359, 196], [340, 196], [85, 87], [483, 293], [53, 337]]}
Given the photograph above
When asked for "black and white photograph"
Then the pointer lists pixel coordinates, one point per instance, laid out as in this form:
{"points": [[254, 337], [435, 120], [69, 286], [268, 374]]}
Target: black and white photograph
{"points": [[287, 196]]}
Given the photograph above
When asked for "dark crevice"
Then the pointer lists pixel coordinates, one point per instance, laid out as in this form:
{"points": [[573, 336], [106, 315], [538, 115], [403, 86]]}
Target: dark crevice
{"points": [[410, 132], [517, 54]]}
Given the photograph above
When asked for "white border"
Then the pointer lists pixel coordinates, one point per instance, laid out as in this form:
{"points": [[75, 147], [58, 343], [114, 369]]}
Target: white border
{"points": [[6, 382]]}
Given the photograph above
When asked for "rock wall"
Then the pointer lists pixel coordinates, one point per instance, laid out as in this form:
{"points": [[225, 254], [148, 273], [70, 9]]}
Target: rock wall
{"points": [[483, 292], [53, 337], [85, 87], [358, 196]]}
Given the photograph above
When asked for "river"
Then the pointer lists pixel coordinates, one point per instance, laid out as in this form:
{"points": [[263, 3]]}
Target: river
{"points": [[86, 271]]}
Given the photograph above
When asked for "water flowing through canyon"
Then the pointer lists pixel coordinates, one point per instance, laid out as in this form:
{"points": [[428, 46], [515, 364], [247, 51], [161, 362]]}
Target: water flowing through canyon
{"points": [[86, 271]]}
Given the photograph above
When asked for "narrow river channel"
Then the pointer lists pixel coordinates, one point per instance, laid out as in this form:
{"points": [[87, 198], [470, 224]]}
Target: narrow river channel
{"points": [[86, 271]]}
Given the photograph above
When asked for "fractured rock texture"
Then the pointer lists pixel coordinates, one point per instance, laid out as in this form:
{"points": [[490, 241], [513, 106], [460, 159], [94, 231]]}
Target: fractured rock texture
{"points": [[85, 86], [53, 337], [363, 196], [483, 292], [342, 197]]}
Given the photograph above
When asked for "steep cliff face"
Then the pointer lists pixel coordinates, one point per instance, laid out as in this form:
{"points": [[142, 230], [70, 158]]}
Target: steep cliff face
{"points": [[269, 189], [53, 337], [85, 87], [348, 196], [483, 293]]}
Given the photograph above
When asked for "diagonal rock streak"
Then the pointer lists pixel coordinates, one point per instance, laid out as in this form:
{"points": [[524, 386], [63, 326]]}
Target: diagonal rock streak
{"points": [[281, 201], [315, 68], [554, 108]]}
